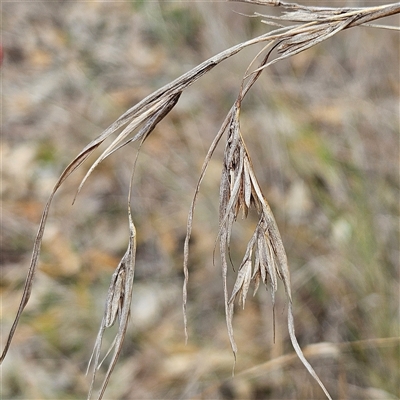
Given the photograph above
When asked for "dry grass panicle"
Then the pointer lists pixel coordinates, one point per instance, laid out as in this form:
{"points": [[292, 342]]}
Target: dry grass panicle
{"points": [[264, 261]]}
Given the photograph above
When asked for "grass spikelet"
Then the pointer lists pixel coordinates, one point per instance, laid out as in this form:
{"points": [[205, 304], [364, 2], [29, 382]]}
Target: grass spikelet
{"points": [[239, 190]]}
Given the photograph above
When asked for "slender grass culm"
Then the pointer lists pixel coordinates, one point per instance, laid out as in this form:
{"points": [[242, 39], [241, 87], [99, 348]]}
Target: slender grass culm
{"points": [[297, 29]]}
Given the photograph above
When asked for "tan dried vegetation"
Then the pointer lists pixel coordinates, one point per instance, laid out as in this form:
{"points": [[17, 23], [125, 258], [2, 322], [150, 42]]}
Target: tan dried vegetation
{"points": [[297, 29]]}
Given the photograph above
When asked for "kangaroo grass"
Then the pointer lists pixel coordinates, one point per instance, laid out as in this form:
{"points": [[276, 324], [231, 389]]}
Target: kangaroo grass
{"points": [[265, 259]]}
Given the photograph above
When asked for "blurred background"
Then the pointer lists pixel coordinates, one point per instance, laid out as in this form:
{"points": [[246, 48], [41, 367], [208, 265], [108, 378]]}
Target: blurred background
{"points": [[323, 132]]}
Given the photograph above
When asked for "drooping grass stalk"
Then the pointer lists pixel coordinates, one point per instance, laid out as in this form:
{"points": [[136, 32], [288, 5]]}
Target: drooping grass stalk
{"points": [[265, 258]]}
